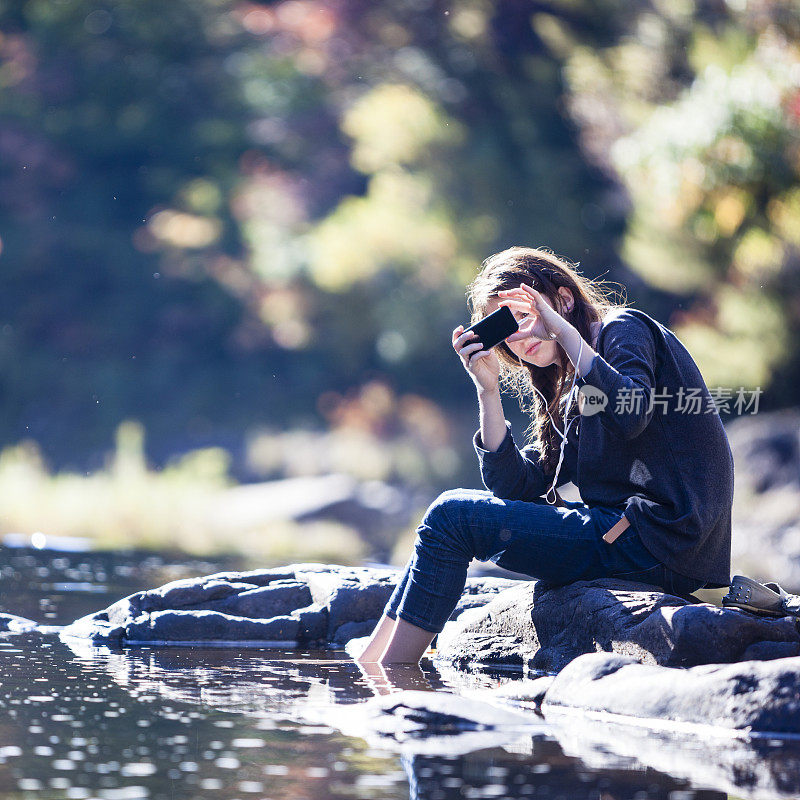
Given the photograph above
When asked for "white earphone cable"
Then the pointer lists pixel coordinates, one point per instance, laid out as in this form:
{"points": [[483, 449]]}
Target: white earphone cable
{"points": [[566, 430]]}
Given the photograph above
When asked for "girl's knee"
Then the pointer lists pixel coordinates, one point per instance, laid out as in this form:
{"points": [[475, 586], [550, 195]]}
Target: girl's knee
{"points": [[447, 526], [448, 507]]}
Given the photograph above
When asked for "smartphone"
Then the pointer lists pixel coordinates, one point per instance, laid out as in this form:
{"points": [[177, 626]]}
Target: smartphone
{"points": [[495, 328]]}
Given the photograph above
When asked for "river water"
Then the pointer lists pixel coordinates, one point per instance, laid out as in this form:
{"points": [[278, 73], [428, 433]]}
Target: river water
{"points": [[82, 722]]}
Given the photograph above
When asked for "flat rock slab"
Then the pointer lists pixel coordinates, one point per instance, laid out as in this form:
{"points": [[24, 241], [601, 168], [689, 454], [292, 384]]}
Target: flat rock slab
{"points": [[309, 605], [754, 696], [539, 627], [9, 623]]}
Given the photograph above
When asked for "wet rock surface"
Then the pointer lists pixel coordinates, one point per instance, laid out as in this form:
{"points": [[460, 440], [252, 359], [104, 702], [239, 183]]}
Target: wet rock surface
{"points": [[308, 605], [540, 627], [755, 696], [432, 722], [497, 634], [498, 622]]}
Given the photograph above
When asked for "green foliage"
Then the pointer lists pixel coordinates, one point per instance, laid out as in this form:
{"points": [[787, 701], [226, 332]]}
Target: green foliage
{"points": [[712, 170], [720, 165], [120, 124], [394, 125], [216, 215], [395, 224], [195, 198]]}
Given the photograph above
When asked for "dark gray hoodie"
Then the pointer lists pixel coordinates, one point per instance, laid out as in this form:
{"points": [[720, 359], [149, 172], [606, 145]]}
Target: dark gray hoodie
{"points": [[669, 467]]}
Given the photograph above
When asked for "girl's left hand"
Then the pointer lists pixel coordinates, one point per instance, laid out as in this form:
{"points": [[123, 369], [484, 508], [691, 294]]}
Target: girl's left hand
{"points": [[548, 323]]}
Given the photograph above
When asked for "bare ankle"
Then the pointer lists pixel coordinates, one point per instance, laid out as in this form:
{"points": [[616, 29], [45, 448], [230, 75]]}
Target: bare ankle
{"points": [[369, 656], [377, 642], [407, 645]]}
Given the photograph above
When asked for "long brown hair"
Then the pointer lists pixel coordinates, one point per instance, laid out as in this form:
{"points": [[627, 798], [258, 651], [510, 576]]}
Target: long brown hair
{"points": [[546, 272]]}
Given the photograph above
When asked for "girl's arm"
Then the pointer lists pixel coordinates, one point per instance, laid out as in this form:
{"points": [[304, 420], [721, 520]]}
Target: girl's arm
{"points": [[626, 374], [492, 418], [505, 471], [511, 473], [569, 338]]}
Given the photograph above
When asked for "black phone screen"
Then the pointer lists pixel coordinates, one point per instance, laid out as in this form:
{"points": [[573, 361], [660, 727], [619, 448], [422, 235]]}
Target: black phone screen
{"points": [[497, 326]]}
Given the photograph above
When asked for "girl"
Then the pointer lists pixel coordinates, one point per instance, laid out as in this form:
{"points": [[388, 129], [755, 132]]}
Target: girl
{"points": [[642, 441]]}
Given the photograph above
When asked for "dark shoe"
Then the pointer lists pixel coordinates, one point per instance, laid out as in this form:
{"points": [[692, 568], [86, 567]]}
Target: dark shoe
{"points": [[767, 599]]}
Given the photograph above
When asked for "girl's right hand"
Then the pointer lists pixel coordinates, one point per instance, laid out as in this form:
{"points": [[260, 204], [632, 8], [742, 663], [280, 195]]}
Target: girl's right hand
{"points": [[483, 366]]}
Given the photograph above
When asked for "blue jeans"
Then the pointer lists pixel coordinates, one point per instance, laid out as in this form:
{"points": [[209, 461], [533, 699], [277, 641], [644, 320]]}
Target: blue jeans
{"points": [[555, 544]]}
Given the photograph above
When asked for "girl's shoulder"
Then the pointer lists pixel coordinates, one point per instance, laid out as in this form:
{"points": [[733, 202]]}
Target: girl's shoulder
{"points": [[630, 322]]}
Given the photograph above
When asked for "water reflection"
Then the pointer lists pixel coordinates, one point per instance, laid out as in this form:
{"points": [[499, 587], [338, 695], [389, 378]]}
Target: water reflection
{"points": [[185, 722], [542, 772], [83, 722], [383, 680], [760, 768], [100, 728]]}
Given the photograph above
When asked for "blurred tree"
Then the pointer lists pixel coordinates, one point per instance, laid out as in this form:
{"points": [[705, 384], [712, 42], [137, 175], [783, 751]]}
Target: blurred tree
{"points": [[123, 124], [215, 213], [212, 212], [454, 118], [712, 165]]}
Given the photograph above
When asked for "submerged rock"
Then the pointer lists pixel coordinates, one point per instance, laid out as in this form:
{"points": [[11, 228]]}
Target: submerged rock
{"points": [[430, 722], [760, 767], [309, 605], [540, 627]]}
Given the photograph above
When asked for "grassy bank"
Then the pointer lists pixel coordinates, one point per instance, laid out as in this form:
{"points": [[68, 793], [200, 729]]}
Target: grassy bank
{"points": [[127, 505]]}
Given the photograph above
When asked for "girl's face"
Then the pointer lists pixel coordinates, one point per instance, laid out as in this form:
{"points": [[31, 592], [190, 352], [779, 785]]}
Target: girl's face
{"points": [[538, 352]]}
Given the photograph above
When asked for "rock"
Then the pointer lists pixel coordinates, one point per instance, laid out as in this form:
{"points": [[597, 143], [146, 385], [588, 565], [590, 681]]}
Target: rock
{"points": [[756, 696], [262, 602], [478, 591], [438, 722], [351, 594], [314, 605], [354, 647], [374, 508], [497, 634], [353, 630], [500, 623], [766, 651], [766, 504], [9, 623], [528, 693], [170, 627], [274, 605], [411, 712], [539, 627], [96, 629], [313, 623]]}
